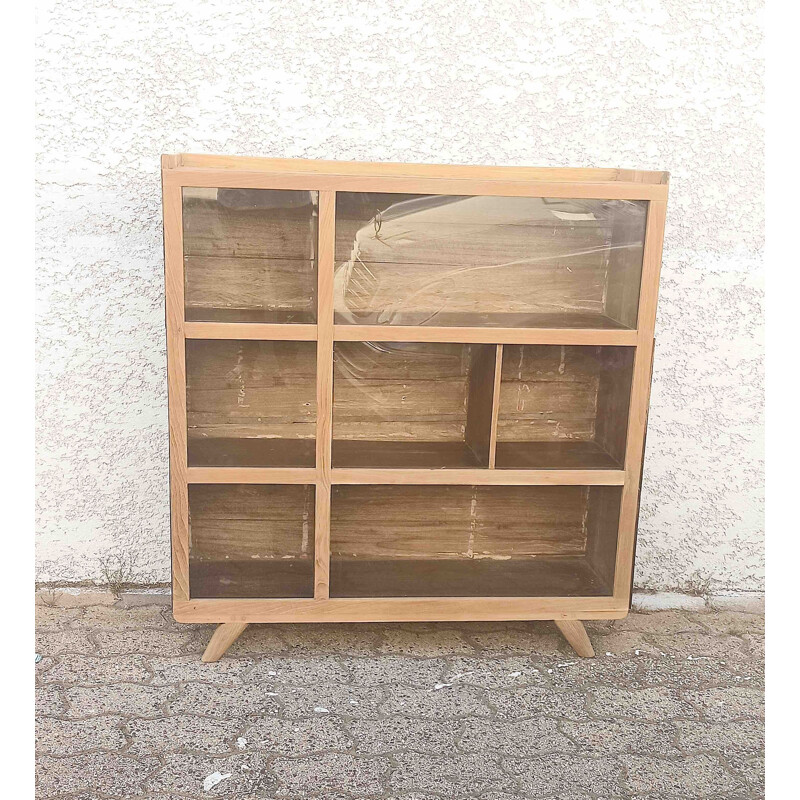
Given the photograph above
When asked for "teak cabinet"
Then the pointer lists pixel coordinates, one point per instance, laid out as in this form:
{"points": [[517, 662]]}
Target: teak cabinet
{"points": [[406, 392]]}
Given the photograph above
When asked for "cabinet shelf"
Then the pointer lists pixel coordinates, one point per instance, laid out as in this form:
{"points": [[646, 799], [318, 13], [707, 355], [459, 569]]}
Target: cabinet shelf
{"points": [[415, 385]]}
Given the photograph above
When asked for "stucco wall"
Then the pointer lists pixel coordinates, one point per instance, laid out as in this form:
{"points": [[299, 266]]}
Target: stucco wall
{"points": [[655, 84]]}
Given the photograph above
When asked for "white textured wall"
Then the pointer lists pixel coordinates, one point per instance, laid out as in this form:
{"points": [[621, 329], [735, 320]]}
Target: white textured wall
{"points": [[655, 84]]}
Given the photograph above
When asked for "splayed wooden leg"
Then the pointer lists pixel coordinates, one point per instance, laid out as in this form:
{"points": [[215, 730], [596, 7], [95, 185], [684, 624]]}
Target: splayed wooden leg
{"points": [[224, 636], [575, 634]]}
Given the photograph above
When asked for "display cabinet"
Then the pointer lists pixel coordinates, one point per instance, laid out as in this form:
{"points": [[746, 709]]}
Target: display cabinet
{"points": [[406, 392]]}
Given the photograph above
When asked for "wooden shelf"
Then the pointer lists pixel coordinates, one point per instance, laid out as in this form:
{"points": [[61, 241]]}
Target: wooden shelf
{"points": [[406, 391], [541, 577]]}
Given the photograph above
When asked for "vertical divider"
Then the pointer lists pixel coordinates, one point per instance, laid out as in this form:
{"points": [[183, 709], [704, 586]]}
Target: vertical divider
{"points": [[498, 375], [325, 257], [640, 396], [176, 380], [477, 432]]}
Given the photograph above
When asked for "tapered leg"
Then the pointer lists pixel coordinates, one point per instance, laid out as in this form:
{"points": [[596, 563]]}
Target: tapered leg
{"points": [[224, 636], [575, 634]]}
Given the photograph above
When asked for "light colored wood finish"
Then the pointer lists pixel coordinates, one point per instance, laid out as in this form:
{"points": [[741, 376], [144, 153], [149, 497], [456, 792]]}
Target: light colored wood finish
{"points": [[613, 493], [327, 235], [480, 402], [251, 475], [505, 477], [640, 399], [398, 609], [384, 168], [575, 633], [424, 333], [224, 636], [250, 330], [176, 384], [496, 383]]}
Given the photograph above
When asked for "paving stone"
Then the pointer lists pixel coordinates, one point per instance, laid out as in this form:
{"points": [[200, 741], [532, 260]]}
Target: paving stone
{"points": [[469, 774], [49, 701], [695, 673], [723, 704], [659, 622], [730, 739], [392, 734], [257, 640], [700, 645], [731, 623], [299, 670], [580, 673], [536, 639], [147, 642], [751, 770], [297, 737], [184, 774], [62, 641], [331, 772], [692, 777], [104, 773], [496, 673], [645, 704], [546, 775], [130, 699], [382, 670], [343, 639], [448, 702], [54, 617], [755, 645], [607, 737], [617, 644], [91, 670], [531, 701], [346, 701], [225, 702], [179, 669], [424, 643], [530, 737], [182, 733], [58, 737], [116, 618]]}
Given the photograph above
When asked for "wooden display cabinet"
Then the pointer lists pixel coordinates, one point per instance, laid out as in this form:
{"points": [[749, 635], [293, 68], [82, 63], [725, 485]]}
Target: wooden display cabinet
{"points": [[406, 392]]}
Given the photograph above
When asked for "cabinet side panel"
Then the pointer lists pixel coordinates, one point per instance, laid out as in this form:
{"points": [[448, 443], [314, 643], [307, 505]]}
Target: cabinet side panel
{"points": [[176, 384]]}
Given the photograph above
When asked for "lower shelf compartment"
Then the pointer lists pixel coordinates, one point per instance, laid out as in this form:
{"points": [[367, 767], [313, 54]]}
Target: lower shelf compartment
{"points": [[232, 452], [403, 455], [437, 577], [234, 579], [553, 455]]}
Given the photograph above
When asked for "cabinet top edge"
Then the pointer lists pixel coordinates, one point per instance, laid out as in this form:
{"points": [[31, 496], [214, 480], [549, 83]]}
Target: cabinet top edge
{"points": [[397, 169]]}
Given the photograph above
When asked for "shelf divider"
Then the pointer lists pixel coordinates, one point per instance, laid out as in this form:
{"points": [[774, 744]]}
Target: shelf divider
{"points": [[325, 264], [250, 330], [496, 477], [498, 377], [466, 335]]}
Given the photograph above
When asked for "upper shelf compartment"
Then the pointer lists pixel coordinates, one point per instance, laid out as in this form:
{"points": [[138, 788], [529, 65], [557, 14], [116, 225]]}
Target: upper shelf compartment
{"points": [[508, 262], [250, 255]]}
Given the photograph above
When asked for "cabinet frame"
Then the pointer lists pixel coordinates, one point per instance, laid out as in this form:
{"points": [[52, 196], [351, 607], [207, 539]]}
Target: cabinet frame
{"points": [[179, 171]]}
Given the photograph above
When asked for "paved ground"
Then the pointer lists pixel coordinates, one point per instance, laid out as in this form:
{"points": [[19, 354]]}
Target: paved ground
{"points": [[672, 708]]}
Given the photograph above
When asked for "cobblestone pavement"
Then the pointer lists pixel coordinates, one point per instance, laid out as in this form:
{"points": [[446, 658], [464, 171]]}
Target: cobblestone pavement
{"points": [[672, 708]]}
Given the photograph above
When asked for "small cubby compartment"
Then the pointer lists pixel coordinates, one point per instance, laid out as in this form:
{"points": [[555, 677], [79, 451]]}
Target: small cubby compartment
{"points": [[250, 403], [489, 261], [251, 540], [250, 255], [477, 541], [411, 404], [563, 407]]}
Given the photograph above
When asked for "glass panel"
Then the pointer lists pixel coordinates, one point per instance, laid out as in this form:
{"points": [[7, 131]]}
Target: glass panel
{"points": [[251, 403], [251, 541], [407, 259], [408, 404], [477, 541], [250, 255], [563, 407]]}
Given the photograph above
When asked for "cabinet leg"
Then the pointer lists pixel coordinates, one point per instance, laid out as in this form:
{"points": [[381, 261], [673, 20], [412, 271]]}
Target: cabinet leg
{"points": [[224, 636], [575, 634]]}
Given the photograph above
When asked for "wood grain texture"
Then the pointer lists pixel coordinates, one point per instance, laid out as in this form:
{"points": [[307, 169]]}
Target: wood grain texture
{"points": [[250, 389], [480, 402], [575, 633], [324, 386], [223, 637], [466, 476], [176, 384], [250, 330]]}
